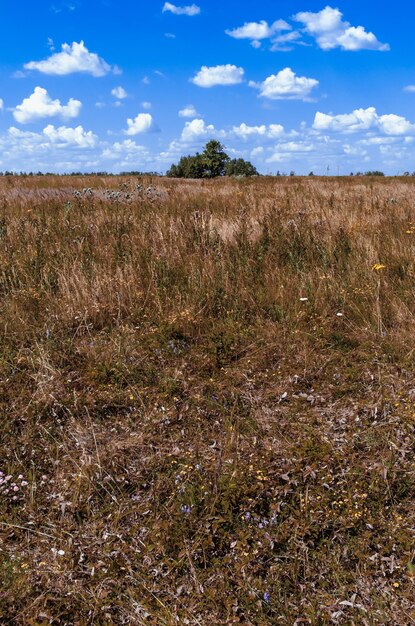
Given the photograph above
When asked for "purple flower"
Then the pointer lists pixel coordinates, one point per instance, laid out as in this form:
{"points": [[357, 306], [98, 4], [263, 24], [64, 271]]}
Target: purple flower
{"points": [[266, 597]]}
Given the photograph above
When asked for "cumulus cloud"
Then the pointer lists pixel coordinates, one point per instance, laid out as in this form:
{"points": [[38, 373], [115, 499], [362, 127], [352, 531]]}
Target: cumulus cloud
{"points": [[191, 10], [331, 31], [1, 104], [258, 30], [65, 136], [286, 85], [142, 123], [128, 147], [40, 105], [219, 75], [410, 88], [395, 125], [363, 119], [74, 58], [360, 119], [197, 129], [61, 137], [188, 111], [287, 150], [119, 93], [244, 131]]}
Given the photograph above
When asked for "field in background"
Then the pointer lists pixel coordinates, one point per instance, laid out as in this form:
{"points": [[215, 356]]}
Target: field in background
{"points": [[207, 401]]}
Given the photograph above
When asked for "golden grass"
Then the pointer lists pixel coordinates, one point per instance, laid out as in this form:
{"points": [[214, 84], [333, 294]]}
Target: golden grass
{"points": [[209, 390]]}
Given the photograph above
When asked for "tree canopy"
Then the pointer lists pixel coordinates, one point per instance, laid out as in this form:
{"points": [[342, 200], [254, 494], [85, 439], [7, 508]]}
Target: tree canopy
{"points": [[213, 162]]}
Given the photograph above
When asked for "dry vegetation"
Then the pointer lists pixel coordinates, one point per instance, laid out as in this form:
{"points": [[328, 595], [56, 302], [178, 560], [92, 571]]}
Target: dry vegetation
{"points": [[207, 396]]}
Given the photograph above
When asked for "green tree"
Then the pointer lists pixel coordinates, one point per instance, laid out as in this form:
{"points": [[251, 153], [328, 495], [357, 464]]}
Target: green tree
{"points": [[215, 159], [188, 167], [211, 163], [240, 167]]}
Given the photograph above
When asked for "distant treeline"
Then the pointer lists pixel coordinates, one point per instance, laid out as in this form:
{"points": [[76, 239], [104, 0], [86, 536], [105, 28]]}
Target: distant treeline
{"points": [[190, 168], [132, 173]]}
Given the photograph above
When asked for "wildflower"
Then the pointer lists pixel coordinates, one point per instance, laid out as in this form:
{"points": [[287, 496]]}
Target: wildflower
{"points": [[339, 314], [266, 597], [378, 267], [396, 585], [303, 299]]}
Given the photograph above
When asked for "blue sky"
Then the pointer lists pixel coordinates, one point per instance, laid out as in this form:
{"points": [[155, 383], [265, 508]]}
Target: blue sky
{"points": [[290, 85]]}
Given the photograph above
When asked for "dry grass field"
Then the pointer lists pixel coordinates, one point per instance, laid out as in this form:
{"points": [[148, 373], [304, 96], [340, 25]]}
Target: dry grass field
{"points": [[207, 402]]}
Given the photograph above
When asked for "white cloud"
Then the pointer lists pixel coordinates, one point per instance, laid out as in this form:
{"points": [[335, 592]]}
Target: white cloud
{"points": [[72, 59], [360, 119], [295, 146], [257, 151], [356, 38], [61, 137], [331, 31], [119, 93], [146, 105], [39, 105], [283, 43], [188, 111], [363, 119], [219, 75], [187, 10], [286, 85], [410, 88], [123, 148], [289, 151], [70, 136], [244, 131], [258, 30], [142, 123], [377, 141], [1, 104], [196, 129], [395, 125], [354, 150]]}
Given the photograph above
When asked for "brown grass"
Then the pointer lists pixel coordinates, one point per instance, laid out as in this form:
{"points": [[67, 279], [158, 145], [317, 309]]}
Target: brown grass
{"points": [[201, 443]]}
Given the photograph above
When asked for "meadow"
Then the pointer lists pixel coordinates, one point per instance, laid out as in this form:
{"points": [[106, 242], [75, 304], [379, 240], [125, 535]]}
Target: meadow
{"points": [[207, 401]]}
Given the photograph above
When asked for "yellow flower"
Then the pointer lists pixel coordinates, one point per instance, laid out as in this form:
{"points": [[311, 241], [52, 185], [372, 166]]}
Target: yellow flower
{"points": [[378, 266], [396, 585]]}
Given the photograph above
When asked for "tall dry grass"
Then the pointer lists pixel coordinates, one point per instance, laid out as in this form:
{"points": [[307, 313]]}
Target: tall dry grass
{"points": [[208, 388]]}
